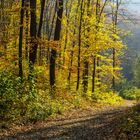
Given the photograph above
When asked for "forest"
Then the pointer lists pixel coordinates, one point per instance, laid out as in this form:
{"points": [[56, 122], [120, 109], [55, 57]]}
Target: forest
{"points": [[69, 69]]}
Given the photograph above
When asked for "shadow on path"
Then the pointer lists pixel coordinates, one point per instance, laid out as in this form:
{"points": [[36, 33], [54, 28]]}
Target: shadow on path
{"points": [[100, 126]]}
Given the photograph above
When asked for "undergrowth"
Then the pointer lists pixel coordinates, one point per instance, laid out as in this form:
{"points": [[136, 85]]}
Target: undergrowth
{"points": [[21, 104], [108, 98], [132, 93], [131, 124]]}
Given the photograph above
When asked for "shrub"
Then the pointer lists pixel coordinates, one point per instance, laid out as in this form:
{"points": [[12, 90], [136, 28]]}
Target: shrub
{"points": [[130, 124], [15, 96], [9, 92], [131, 94], [20, 104], [107, 97]]}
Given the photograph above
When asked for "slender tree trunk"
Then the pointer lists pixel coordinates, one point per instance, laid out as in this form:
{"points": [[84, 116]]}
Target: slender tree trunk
{"points": [[41, 18], [27, 29], [95, 72], [33, 34], [72, 53], [79, 46], [66, 39], [21, 40], [93, 75], [71, 63], [114, 64], [98, 13], [56, 38], [39, 29], [86, 61], [51, 31], [115, 20], [85, 75], [98, 72], [65, 46]]}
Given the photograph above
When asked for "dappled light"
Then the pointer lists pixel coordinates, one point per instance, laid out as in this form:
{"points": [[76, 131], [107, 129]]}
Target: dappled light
{"points": [[69, 69]]}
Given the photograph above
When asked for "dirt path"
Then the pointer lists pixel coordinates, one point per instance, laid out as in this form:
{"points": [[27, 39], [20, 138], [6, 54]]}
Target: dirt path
{"points": [[82, 124]]}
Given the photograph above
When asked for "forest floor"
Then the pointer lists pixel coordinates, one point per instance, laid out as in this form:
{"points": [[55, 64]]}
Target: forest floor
{"points": [[91, 123]]}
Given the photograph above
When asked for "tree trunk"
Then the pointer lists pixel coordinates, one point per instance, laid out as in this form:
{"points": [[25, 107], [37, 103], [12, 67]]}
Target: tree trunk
{"points": [[114, 64], [56, 38], [98, 13], [95, 64], [33, 33], [67, 31], [27, 29], [21, 40], [79, 46], [86, 62], [115, 20], [93, 74], [39, 29], [71, 63]]}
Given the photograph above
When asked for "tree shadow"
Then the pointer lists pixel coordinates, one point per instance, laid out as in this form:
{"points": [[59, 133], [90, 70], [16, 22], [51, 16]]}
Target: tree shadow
{"points": [[96, 127]]}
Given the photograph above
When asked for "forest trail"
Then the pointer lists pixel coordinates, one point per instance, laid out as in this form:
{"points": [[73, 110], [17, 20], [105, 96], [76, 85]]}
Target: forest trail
{"points": [[80, 124]]}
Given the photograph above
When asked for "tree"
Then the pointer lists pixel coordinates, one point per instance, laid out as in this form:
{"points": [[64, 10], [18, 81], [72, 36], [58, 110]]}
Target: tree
{"points": [[79, 43], [56, 38], [96, 60], [71, 55], [40, 25], [21, 40], [33, 35], [86, 61], [27, 6], [115, 23]]}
